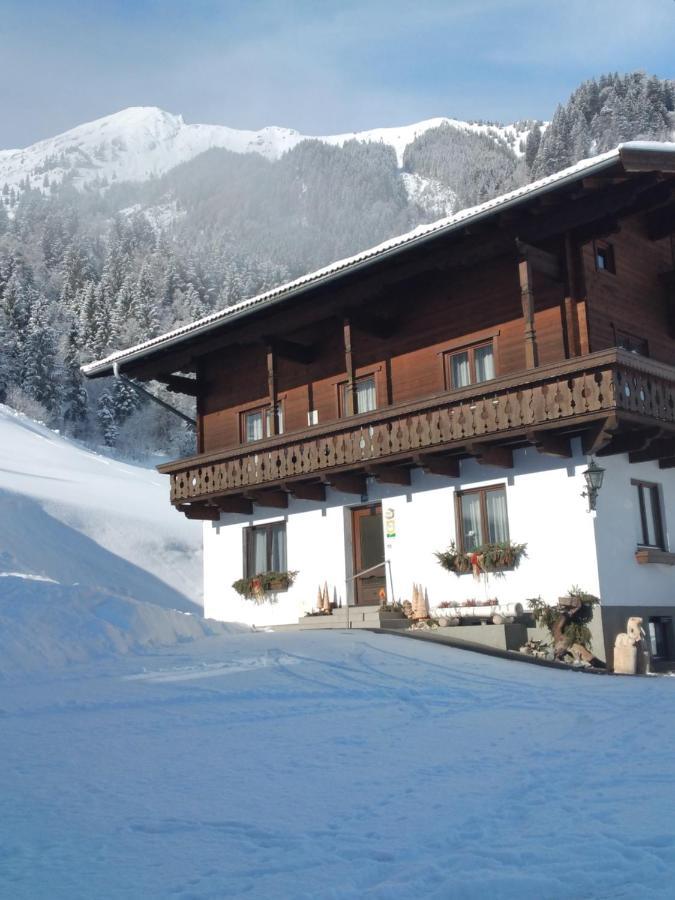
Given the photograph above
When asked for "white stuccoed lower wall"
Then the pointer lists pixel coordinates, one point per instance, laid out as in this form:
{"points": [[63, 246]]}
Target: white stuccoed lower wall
{"points": [[623, 582], [545, 511]]}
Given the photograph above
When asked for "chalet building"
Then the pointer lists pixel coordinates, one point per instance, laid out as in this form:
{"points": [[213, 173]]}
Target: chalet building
{"points": [[451, 385]]}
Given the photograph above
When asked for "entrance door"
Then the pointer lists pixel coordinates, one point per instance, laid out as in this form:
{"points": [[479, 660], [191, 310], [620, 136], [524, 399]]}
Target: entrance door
{"points": [[368, 539]]}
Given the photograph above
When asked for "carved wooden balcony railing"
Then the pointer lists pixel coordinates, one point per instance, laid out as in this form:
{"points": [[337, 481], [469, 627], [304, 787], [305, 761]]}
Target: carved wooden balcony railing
{"points": [[610, 386]]}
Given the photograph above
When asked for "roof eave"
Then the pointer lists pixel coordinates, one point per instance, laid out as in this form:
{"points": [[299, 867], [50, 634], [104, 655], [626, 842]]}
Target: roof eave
{"points": [[119, 360]]}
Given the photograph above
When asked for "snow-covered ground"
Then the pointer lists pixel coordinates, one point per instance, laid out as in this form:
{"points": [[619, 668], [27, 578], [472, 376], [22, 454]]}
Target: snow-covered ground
{"points": [[79, 517], [334, 765]]}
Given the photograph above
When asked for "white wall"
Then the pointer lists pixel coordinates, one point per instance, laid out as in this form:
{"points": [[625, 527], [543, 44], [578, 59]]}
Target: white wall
{"points": [[315, 548], [566, 545], [545, 511], [624, 582]]}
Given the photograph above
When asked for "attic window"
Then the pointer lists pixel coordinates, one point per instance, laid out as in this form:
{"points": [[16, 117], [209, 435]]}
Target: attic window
{"points": [[604, 258]]}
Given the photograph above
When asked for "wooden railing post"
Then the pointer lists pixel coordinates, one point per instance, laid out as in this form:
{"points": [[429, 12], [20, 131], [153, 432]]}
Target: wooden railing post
{"points": [[527, 300]]}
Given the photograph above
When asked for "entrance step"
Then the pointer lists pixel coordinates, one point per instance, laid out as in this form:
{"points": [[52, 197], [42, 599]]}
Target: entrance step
{"points": [[356, 617]]}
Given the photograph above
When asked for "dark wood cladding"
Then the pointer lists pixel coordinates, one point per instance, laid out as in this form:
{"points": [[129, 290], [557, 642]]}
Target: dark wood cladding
{"points": [[612, 383], [452, 310], [634, 299]]}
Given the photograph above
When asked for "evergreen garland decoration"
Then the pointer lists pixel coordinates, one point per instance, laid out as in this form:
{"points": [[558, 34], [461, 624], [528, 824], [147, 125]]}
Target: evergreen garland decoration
{"points": [[488, 558], [258, 587]]}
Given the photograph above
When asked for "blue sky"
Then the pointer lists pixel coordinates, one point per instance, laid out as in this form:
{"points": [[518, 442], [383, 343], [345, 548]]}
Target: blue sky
{"points": [[321, 66]]}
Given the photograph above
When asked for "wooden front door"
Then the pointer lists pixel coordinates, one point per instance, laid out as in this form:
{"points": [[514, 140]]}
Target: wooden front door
{"points": [[368, 540]]}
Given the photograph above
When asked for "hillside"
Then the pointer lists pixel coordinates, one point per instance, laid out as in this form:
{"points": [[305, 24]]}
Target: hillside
{"points": [[70, 516]]}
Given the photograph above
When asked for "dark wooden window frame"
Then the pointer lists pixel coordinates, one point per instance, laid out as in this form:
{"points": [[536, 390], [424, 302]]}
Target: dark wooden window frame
{"points": [[342, 389], [658, 523], [459, 519], [469, 348], [605, 249], [265, 409], [268, 528]]}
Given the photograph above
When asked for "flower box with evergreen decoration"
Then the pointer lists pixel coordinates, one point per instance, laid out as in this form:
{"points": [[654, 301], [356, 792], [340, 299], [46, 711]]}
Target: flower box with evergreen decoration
{"points": [[492, 559], [262, 586]]}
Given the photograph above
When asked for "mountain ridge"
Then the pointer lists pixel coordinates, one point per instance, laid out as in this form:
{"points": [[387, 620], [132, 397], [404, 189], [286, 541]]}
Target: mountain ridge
{"points": [[143, 142]]}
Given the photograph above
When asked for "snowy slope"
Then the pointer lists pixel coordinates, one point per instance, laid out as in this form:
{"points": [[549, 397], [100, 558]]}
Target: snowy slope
{"points": [[335, 767], [74, 516], [143, 142]]}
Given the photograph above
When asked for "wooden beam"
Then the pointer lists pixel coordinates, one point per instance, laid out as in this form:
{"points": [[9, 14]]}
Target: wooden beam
{"points": [[661, 222], [235, 504], [663, 448], [667, 463], [349, 368], [375, 325], [540, 260], [199, 511], [301, 353], [348, 483], [550, 443], [631, 441], [272, 498], [599, 435], [491, 455], [179, 384], [306, 490], [390, 474], [527, 301], [438, 465]]}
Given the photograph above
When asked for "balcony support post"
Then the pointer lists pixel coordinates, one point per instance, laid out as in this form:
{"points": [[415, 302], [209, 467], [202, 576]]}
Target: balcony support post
{"points": [[527, 300], [272, 391], [572, 294], [349, 368]]}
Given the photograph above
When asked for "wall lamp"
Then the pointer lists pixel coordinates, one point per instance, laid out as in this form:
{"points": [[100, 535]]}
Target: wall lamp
{"points": [[593, 476]]}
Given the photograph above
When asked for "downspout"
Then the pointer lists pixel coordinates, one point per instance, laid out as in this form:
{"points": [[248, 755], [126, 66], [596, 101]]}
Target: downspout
{"points": [[145, 393]]}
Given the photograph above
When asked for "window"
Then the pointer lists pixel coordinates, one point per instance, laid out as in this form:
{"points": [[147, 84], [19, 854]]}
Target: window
{"points": [[256, 424], [650, 519], [604, 258], [365, 395], [482, 517], [265, 549], [469, 366], [632, 343]]}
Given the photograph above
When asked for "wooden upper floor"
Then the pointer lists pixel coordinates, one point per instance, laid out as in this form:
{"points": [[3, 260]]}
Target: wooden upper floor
{"points": [[518, 296]]}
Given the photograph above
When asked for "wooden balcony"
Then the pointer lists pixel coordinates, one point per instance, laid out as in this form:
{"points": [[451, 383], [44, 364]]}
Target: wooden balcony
{"points": [[617, 402]]}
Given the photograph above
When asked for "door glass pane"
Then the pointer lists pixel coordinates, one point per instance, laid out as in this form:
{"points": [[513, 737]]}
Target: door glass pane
{"points": [[485, 366], [471, 527], [278, 548], [364, 395], [371, 538], [460, 371], [498, 526], [254, 425]]}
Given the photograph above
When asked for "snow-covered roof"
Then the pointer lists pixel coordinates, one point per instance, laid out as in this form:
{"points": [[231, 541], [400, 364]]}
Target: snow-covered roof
{"points": [[393, 246]]}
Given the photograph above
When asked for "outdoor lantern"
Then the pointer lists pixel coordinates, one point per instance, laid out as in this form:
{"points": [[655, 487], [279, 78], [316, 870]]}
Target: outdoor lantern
{"points": [[593, 477]]}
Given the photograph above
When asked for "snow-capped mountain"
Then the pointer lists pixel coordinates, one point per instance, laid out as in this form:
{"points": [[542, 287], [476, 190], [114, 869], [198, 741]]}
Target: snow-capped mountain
{"points": [[142, 142]]}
